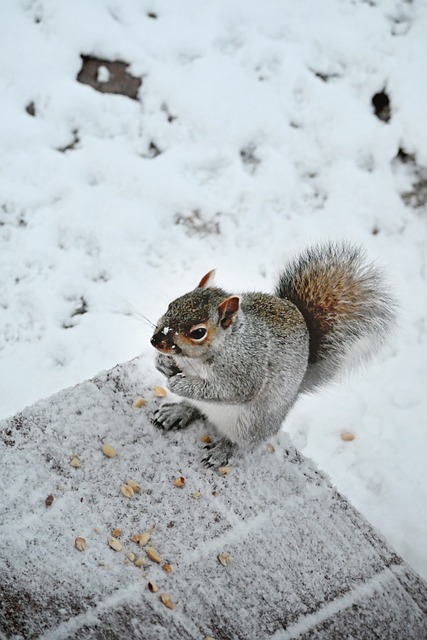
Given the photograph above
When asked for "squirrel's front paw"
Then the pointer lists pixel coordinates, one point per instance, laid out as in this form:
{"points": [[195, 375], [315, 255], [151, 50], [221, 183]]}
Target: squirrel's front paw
{"points": [[166, 365], [219, 453], [173, 416], [179, 384]]}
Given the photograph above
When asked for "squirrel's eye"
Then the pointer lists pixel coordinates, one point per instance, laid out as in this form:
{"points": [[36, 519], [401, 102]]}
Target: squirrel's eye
{"points": [[198, 333]]}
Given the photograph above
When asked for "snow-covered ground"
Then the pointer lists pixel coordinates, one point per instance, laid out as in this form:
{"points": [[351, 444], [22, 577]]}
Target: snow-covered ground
{"points": [[263, 117]]}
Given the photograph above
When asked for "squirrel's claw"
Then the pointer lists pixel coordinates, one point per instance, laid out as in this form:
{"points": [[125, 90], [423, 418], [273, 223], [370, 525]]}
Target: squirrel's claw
{"points": [[219, 453], [173, 416]]}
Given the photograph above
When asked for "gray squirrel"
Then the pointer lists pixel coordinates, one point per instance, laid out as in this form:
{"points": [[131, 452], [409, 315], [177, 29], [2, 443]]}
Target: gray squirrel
{"points": [[241, 360]]}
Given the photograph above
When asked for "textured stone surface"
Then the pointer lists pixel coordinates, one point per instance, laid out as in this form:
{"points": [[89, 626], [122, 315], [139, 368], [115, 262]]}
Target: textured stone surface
{"points": [[304, 563]]}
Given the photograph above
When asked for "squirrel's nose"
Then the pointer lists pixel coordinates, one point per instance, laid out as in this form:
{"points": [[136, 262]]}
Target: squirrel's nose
{"points": [[157, 340]]}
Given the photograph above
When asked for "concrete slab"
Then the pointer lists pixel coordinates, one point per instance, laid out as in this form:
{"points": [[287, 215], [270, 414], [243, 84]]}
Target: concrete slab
{"points": [[303, 563]]}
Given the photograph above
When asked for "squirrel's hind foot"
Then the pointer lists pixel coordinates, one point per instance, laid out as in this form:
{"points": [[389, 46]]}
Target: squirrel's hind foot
{"points": [[173, 416], [219, 453]]}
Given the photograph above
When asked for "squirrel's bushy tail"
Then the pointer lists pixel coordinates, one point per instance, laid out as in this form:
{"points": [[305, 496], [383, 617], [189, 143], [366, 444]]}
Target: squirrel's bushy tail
{"points": [[346, 306]]}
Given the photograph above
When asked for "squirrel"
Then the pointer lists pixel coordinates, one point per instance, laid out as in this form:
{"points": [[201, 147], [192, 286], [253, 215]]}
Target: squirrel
{"points": [[241, 360]]}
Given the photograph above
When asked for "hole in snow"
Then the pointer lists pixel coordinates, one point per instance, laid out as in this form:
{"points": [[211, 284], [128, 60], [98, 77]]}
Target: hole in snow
{"points": [[109, 76], [31, 109], [412, 179], [196, 224], [249, 159], [381, 105]]}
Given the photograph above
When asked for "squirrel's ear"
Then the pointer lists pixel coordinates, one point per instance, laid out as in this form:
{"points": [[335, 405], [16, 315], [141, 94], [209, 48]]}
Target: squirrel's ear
{"points": [[206, 280], [227, 310]]}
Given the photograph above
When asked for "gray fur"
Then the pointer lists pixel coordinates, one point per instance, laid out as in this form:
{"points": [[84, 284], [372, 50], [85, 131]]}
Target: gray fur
{"points": [[353, 337], [246, 378]]}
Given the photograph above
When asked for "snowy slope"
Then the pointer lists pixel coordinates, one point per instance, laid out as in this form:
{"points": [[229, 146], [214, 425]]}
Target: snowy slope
{"points": [[263, 116]]}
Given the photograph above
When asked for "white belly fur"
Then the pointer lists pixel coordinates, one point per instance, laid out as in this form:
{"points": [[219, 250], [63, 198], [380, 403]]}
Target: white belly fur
{"points": [[225, 417]]}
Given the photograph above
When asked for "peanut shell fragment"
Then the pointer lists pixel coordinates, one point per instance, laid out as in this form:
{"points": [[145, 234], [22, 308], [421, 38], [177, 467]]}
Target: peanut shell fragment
{"points": [[135, 538], [179, 482], [224, 471], [133, 485], [152, 554], [127, 491], [144, 538], [165, 598], [166, 567], [153, 587], [347, 436], [131, 556], [115, 533], [48, 501], [205, 439], [75, 462], [224, 558], [140, 562], [80, 544], [109, 451], [115, 544], [159, 392], [138, 403]]}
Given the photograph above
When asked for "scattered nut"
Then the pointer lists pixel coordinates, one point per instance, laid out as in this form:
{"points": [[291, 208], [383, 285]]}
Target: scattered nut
{"points": [[140, 561], [75, 462], [48, 501], [165, 598], [141, 538], [138, 403], [224, 558], [166, 567], [115, 533], [127, 491], [215, 493], [152, 554], [179, 482], [136, 537], [153, 587], [130, 556], [270, 448], [115, 544], [108, 451], [80, 544], [144, 538], [159, 392], [134, 485], [196, 495], [224, 471], [205, 439], [347, 436]]}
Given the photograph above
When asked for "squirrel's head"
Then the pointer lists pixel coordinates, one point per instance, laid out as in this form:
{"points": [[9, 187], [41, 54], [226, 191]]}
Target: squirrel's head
{"points": [[194, 320]]}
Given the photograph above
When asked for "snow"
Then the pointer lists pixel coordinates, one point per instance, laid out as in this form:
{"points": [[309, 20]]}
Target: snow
{"points": [[260, 156]]}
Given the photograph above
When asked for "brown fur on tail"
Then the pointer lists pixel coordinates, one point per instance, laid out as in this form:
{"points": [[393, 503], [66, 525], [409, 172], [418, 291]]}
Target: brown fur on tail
{"points": [[343, 300]]}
